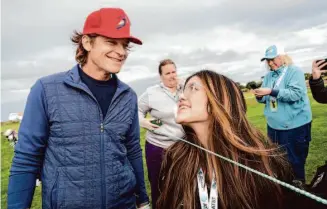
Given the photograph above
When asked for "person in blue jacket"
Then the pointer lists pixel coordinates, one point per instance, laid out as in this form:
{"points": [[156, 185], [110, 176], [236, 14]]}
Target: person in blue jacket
{"points": [[287, 107], [80, 128]]}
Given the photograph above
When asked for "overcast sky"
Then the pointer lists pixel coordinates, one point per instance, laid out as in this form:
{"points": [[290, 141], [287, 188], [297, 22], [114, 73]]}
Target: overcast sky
{"points": [[228, 36]]}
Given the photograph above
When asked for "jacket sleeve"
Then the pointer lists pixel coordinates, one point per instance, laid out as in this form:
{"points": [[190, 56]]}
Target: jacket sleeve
{"points": [[29, 150], [143, 105], [318, 90], [134, 154], [262, 99], [295, 88]]}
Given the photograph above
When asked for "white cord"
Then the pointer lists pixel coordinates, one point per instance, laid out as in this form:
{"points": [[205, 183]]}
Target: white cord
{"points": [[291, 187]]}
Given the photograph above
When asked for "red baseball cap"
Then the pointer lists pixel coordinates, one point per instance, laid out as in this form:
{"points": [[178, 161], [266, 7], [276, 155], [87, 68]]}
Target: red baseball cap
{"points": [[111, 23]]}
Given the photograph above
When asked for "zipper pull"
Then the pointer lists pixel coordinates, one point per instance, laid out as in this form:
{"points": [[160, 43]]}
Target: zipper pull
{"points": [[101, 127]]}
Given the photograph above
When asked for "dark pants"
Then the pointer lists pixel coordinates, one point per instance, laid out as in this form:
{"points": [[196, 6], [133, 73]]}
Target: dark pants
{"points": [[296, 142], [154, 157]]}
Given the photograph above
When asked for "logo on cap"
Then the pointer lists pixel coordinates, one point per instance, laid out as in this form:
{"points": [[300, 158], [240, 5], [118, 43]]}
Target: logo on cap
{"points": [[269, 50], [121, 23]]}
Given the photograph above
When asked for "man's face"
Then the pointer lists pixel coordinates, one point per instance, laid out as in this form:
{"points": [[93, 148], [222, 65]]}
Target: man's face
{"points": [[169, 75], [107, 54]]}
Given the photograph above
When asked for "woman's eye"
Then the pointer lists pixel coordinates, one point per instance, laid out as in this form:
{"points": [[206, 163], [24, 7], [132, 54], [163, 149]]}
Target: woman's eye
{"points": [[193, 87]]}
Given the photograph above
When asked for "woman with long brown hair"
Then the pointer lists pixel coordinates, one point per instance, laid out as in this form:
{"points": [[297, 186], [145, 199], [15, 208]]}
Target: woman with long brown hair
{"points": [[212, 111]]}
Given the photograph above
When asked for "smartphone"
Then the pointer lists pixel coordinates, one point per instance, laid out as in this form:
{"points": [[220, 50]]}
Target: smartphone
{"points": [[157, 122], [324, 68]]}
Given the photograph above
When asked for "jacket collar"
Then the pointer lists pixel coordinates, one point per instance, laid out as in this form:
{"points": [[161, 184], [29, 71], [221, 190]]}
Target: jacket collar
{"points": [[278, 71], [73, 78], [179, 87]]}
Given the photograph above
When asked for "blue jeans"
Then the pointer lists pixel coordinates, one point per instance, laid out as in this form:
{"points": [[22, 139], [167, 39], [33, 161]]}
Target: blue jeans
{"points": [[296, 142]]}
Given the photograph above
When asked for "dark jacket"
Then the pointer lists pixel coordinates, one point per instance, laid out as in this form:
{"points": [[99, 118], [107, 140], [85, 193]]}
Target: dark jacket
{"points": [[318, 89], [86, 161]]}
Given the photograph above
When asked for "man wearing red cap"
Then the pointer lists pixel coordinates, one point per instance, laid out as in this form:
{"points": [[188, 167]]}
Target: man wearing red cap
{"points": [[80, 128]]}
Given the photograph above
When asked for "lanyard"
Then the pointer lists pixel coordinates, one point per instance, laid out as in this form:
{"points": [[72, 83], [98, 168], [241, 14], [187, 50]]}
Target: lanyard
{"points": [[275, 85], [175, 98], [205, 202]]}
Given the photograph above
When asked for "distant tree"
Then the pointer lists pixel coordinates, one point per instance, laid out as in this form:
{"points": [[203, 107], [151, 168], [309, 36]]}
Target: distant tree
{"points": [[240, 85], [251, 84]]}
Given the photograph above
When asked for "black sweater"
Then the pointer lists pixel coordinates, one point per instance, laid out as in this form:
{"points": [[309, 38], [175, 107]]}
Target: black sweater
{"points": [[318, 89]]}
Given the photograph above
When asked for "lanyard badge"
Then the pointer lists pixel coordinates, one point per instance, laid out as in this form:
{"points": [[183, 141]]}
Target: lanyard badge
{"points": [[205, 202], [273, 104], [273, 101]]}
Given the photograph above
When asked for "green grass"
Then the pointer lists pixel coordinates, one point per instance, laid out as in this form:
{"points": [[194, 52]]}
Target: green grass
{"points": [[316, 157]]}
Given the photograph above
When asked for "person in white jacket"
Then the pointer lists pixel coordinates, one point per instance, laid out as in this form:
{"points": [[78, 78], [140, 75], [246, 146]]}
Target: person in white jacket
{"points": [[160, 102]]}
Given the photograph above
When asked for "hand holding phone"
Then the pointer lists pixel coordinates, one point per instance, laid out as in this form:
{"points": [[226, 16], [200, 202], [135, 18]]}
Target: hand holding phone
{"points": [[157, 122], [322, 64], [318, 67], [150, 123]]}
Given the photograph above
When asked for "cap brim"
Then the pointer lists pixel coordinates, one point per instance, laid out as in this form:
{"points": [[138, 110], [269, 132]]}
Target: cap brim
{"points": [[135, 40], [130, 38], [264, 58]]}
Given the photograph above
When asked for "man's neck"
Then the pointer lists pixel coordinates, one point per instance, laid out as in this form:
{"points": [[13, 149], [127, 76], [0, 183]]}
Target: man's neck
{"points": [[95, 72]]}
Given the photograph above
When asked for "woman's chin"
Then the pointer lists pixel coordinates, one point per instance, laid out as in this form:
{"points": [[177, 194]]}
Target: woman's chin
{"points": [[179, 119], [182, 120]]}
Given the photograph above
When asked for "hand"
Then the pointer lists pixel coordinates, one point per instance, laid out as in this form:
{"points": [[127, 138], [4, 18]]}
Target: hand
{"points": [[260, 92], [253, 92], [145, 123], [144, 206], [316, 69]]}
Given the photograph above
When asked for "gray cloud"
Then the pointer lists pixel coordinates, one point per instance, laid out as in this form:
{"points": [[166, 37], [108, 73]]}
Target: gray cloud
{"points": [[203, 56], [30, 29], [35, 37]]}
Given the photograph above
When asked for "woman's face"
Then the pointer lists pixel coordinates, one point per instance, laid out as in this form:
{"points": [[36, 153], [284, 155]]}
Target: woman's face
{"points": [[275, 63], [169, 76], [193, 103]]}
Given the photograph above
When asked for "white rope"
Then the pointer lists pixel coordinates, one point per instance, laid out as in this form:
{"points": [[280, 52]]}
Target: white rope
{"points": [[291, 187]]}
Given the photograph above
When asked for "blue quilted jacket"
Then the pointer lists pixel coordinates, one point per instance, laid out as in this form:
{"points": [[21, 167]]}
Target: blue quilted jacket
{"points": [[85, 161]]}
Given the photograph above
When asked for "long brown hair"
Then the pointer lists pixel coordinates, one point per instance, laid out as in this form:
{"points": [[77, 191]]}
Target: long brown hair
{"points": [[232, 136]]}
